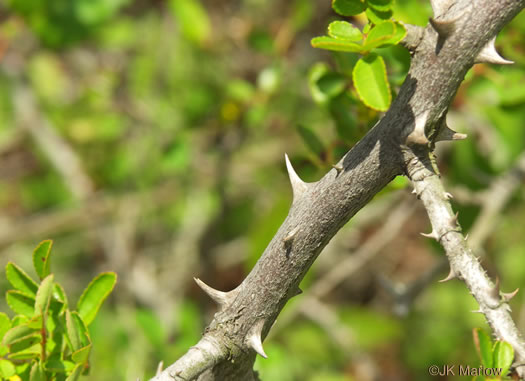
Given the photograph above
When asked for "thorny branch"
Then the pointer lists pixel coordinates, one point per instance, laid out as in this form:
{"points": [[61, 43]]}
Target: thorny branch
{"points": [[460, 34]]}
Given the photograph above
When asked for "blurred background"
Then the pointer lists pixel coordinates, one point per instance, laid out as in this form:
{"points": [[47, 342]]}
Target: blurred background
{"points": [[147, 138]]}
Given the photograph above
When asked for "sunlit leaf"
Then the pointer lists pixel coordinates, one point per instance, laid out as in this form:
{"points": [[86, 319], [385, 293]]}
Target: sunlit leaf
{"points": [[371, 83], [483, 347], [75, 375], [20, 303], [503, 354], [7, 369], [345, 31], [43, 296], [336, 44], [20, 280], [17, 334], [41, 259], [94, 295], [81, 356]]}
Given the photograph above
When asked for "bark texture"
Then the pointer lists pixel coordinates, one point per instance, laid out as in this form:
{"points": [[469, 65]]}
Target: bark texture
{"points": [[459, 35]]}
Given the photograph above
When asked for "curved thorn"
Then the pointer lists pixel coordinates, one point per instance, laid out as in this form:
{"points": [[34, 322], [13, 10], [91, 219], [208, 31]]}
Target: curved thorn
{"points": [[338, 167], [444, 27], [254, 340], [448, 196], [219, 297], [489, 54], [477, 311], [298, 185], [160, 367], [509, 295], [290, 236], [451, 275], [445, 133], [432, 235]]}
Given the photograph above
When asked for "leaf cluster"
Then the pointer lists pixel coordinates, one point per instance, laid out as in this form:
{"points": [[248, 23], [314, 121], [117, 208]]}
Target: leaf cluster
{"points": [[47, 339]]}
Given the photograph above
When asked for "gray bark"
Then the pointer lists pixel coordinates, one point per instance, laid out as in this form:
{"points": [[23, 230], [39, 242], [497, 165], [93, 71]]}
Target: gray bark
{"points": [[401, 143]]}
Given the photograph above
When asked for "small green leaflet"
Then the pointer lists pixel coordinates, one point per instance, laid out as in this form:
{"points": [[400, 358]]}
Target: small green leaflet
{"points": [[330, 43], [20, 280], [345, 31], [94, 295], [383, 34], [483, 347], [503, 356], [41, 258], [348, 7], [370, 81]]}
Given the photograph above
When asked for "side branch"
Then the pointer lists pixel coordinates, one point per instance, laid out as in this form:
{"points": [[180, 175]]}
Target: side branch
{"points": [[464, 264]]}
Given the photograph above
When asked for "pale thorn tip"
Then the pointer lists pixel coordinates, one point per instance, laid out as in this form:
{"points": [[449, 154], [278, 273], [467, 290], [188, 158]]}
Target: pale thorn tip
{"points": [[451, 275], [291, 235], [338, 167], [489, 54], [445, 133], [414, 191], [448, 196], [160, 367], [219, 297], [509, 295], [298, 185], [478, 311], [254, 340], [432, 235]]}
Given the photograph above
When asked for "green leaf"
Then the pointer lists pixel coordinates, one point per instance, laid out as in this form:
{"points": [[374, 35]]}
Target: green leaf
{"points": [[20, 303], [345, 31], [348, 7], [503, 356], [17, 334], [483, 347], [311, 140], [380, 5], [56, 364], [20, 280], [75, 375], [41, 259], [72, 332], [5, 324], [379, 34], [81, 328], [377, 17], [370, 81], [81, 356], [59, 301], [383, 34], [7, 369], [336, 44], [43, 296], [37, 373], [192, 19], [94, 295]]}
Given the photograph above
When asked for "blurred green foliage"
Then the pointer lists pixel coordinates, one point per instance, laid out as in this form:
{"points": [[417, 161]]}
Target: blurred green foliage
{"points": [[180, 113]]}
